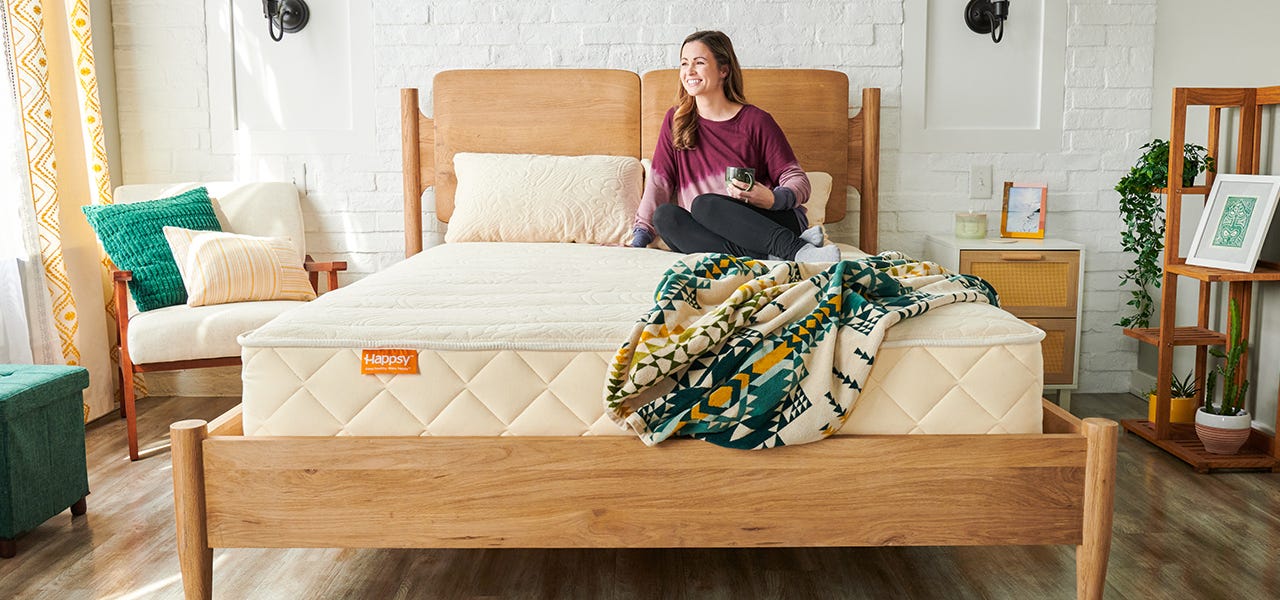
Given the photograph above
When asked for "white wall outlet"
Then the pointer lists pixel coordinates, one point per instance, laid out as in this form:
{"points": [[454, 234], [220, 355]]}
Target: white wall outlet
{"points": [[300, 178], [980, 181]]}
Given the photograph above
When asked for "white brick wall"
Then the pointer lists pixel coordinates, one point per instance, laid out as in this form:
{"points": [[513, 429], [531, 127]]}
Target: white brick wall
{"points": [[352, 208]]}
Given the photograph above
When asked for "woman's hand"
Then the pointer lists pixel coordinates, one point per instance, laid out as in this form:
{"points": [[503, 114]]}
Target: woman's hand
{"points": [[758, 196]]}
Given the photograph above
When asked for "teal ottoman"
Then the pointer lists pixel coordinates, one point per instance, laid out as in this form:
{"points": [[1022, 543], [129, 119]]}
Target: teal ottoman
{"points": [[42, 459]]}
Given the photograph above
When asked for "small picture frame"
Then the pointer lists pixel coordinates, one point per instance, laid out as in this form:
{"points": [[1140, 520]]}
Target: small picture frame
{"points": [[1022, 214], [1237, 215]]}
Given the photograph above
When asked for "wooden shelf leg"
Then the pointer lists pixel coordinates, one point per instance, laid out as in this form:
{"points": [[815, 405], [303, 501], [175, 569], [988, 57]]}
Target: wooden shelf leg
{"points": [[1202, 352], [1169, 281], [1164, 373], [1099, 501], [195, 557]]}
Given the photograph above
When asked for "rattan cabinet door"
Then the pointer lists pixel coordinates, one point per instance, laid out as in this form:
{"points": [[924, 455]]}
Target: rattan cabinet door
{"points": [[1031, 283], [1058, 349]]}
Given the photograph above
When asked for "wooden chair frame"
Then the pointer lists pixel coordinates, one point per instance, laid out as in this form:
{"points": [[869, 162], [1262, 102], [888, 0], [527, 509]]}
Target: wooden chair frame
{"points": [[232, 490], [128, 408]]}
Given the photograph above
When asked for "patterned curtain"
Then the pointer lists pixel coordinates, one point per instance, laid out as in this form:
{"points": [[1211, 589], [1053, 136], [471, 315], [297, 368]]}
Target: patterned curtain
{"points": [[54, 89]]}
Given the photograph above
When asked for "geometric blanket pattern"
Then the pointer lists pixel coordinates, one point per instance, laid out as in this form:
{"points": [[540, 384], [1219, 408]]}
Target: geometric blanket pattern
{"points": [[750, 355]]}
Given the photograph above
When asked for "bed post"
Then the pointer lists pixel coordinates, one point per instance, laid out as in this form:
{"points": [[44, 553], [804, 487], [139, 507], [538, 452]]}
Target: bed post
{"points": [[1099, 498], [195, 557], [411, 164], [869, 207]]}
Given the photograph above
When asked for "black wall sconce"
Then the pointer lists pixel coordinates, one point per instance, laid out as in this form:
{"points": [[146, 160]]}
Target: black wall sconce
{"points": [[285, 16], [987, 16]]}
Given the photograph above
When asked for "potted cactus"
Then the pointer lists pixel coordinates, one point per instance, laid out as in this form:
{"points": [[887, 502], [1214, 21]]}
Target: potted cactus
{"points": [[1182, 400], [1225, 426]]}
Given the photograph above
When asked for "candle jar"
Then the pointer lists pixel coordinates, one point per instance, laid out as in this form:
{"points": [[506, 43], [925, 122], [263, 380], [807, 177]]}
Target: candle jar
{"points": [[971, 225]]}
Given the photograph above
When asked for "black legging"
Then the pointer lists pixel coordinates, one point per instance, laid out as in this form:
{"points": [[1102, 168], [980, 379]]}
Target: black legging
{"points": [[719, 223]]}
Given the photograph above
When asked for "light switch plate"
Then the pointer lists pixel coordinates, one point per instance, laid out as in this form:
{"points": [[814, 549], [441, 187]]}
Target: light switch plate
{"points": [[980, 181]]}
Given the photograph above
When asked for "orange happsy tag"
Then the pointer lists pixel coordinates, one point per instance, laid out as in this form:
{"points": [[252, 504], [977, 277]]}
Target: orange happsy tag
{"points": [[388, 361]]}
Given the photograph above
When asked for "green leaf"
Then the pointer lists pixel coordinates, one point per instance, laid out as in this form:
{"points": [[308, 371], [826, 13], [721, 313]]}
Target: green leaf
{"points": [[1143, 214]]}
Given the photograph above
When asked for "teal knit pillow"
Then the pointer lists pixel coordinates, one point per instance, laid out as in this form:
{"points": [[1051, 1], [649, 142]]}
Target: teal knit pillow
{"points": [[133, 236]]}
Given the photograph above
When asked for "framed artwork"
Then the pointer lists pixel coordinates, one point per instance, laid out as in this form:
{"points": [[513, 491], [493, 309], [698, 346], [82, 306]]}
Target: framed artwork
{"points": [[1022, 215], [1237, 215]]}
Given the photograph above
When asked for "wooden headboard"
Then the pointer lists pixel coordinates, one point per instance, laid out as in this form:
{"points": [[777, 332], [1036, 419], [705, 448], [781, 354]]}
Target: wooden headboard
{"points": [[577, 112]]}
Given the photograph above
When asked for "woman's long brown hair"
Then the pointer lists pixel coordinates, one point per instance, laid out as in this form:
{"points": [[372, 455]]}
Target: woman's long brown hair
{"points": [[684, 124]]}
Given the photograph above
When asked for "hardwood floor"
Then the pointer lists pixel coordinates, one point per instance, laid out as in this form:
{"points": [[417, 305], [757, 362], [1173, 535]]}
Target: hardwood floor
{"points": [[1177, 535]]}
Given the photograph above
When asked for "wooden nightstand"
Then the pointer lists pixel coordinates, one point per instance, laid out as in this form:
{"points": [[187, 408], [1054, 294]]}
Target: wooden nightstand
{"points": [[1039, 281]]}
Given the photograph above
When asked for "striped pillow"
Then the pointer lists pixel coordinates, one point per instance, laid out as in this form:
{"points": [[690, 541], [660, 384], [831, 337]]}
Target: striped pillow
{"points": [[219, 267]]}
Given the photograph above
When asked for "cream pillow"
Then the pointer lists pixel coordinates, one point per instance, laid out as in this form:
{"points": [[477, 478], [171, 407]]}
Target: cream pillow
{"points": [[819, 192], [219, 267], [543, 198]]}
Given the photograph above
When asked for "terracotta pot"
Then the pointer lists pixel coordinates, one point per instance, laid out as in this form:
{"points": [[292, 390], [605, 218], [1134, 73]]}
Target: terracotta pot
{"points": [[1222, 434], [1181, 410]]}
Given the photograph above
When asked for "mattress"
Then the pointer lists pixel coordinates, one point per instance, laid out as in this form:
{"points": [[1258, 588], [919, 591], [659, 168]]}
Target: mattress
{"points": [[515, 339]]}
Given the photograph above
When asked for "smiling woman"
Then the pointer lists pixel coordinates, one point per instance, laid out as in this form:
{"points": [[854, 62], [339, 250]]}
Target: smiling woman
{"points": [[710, 133]]}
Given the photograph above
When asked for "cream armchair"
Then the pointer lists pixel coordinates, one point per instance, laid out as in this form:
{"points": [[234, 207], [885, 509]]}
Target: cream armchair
{"points": [[185, 337]]}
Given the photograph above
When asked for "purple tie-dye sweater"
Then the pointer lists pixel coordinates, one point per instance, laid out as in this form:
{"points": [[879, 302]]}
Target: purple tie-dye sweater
{"points": [[750, 139]]}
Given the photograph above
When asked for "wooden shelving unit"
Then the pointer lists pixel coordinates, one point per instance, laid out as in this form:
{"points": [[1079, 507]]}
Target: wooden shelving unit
{"points": [[1262, 450]]}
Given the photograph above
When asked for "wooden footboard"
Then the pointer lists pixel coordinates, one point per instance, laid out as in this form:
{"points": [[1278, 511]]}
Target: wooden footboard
{"points": [[389, 492]]}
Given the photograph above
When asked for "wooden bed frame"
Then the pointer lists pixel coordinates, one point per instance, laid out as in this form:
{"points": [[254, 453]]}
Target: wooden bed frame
{"points": [[237, 491]]}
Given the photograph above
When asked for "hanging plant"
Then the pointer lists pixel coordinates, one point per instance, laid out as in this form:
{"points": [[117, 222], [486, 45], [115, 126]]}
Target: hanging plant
{"points": [[1143, 213]]}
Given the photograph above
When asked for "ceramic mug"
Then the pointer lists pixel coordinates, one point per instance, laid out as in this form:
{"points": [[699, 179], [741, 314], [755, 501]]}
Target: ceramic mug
{"points": [[740, 176]]}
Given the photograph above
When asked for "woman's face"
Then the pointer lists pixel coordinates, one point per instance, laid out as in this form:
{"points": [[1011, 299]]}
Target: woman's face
{"points": [[699, 72]]}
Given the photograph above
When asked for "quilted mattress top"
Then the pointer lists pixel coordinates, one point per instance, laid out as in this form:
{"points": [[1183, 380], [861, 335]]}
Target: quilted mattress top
{"points": [[509, 296]]}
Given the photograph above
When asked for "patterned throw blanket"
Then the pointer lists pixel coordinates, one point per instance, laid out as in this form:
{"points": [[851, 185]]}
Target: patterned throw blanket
{"points": [[745, 355]]}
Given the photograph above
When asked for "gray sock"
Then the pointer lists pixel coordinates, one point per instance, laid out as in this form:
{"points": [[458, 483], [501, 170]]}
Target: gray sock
{"points": [[813, 254], [814, 235]]}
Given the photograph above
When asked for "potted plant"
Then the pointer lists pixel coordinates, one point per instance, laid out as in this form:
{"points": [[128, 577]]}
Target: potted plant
{"points": [[1143, 213], [1182, 400], [1223, 428]]}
